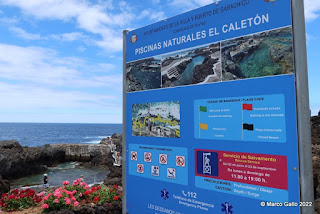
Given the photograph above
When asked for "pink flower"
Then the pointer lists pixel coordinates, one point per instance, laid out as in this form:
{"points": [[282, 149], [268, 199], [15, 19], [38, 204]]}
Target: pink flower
{"points": [[45, 206], [74, 191], [56, 193], [40, 194], [76, 203], [82, 184], [76, 182], [73, 199], [56, 200], [68, 202], [45, 198], [87, 187], [66, 183], [80, 194]]}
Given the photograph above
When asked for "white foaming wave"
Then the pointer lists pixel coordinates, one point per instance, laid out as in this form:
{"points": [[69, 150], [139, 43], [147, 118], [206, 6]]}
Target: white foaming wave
{"points": [[92, 142], [71, 165], [96, 137]]}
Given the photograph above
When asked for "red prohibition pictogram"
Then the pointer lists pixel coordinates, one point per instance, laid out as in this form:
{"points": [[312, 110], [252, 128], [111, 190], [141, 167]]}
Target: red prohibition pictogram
{"points": [[140, 168], [163, 158], [180, 161], [147, 157], [134, 156]]}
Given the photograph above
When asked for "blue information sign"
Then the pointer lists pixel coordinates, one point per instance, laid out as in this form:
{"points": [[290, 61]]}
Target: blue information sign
{"points": [[211, 112]]}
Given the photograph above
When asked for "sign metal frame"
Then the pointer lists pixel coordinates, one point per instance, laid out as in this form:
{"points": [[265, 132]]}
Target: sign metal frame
{"points": [[302, 106]]}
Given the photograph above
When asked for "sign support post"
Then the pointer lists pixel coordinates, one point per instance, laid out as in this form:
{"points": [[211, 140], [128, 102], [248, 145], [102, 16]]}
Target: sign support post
{"points": [[303, 109], [124, 114]]}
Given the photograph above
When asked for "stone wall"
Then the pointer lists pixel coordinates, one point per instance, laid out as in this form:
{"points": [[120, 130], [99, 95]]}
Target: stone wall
{"points": [[82, 152]]}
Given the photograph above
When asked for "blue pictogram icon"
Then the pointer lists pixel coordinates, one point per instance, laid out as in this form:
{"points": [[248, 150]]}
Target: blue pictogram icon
{"points": [[227, 208], [164, 194]]}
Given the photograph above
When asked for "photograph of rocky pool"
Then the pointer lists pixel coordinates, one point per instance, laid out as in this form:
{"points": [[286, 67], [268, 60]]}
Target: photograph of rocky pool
{"points": [[199, 65], [264, 54], [144, 74]]}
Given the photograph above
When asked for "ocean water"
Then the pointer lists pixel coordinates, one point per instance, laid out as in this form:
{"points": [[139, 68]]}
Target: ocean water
{"points": [[148, 79], [66, 171], [39, 134], [259, 63], [186, 76]]}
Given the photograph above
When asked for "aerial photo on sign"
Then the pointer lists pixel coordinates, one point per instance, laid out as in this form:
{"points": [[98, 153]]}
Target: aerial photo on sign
{"points": [[143, 74], [193, 66], [160, 119], [262, 54]]}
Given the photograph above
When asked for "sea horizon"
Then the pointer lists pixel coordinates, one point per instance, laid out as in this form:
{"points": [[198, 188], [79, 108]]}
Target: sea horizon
{"points": [[40, 134]]}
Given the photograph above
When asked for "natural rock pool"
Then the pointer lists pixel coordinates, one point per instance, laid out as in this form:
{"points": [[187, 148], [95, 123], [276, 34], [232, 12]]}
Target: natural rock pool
{"points": [[67, 171]]}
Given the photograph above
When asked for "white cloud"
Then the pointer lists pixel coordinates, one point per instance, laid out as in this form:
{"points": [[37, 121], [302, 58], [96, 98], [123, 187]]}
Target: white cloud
{"points": [[190, 4], [24, 35], [152, 15], [40, 86], [310, 38], [44, 67], [312, 9], [69, 37], [24, 103], [96, 19], [315, 108], [9, 21], [65, 37]]}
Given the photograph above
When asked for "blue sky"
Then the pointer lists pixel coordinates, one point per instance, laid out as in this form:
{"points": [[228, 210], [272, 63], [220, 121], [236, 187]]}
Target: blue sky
{"points": [[61, 60]]}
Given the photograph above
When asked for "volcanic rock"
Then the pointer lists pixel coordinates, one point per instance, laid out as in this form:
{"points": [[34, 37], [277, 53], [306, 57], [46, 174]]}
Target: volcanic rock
{"points": [[17, 161], [4, 186]]}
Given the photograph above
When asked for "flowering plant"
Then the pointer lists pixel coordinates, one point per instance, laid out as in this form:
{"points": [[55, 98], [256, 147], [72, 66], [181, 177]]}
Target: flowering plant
{"points": [[100, 194], [64, 198], [19, 200], [70, 195]]}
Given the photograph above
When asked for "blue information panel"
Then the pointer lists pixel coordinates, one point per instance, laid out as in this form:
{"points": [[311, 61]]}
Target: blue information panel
{"points": [[211, 112]]}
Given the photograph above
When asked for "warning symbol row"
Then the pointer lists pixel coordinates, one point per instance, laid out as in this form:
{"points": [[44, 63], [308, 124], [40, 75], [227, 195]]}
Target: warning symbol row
{"points": [[155, 171], [163, 158]]}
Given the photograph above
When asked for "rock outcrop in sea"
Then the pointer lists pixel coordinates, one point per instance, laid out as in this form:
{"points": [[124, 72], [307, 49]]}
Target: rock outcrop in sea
{"points": [[201, 72], [17, 161], [133, 84]]}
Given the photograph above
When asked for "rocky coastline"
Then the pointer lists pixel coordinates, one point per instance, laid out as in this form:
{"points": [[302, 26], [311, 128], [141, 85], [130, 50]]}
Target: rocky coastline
{"points": [[17, 161]]}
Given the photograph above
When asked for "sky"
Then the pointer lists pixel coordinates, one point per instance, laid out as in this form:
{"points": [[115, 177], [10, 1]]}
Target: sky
{"points": [[61, 60]]}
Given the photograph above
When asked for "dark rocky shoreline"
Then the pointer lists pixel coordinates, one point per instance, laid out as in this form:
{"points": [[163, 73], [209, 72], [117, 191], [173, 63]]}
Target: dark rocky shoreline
{"points": [[17, 161]]}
